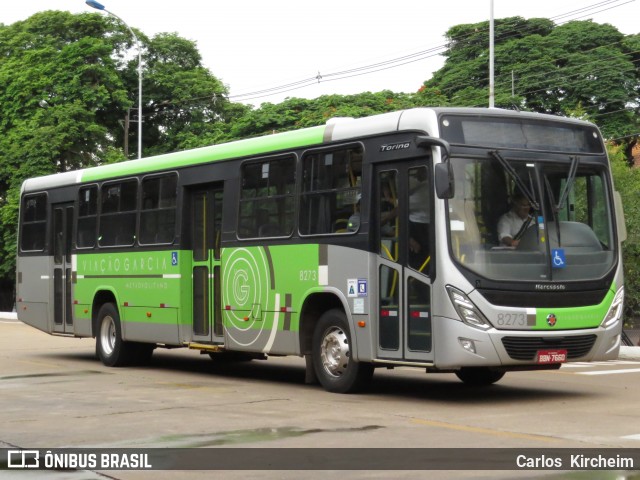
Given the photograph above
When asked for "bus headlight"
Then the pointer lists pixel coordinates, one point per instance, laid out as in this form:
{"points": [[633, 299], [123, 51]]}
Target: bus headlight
{"points": [[467, 311], [615, 310]]}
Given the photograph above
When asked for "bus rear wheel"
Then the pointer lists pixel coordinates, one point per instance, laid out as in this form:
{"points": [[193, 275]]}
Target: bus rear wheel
{"points": [[110, 348], [331, 353], [479, 376]]}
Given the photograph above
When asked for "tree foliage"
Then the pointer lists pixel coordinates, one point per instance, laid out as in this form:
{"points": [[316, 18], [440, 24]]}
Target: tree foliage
{"points": [[627, 182], [182, 100], [546, 68], [296, 113], [67, 83]]}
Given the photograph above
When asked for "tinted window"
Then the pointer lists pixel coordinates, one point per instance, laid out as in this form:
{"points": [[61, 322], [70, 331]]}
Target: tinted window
{"points": [[34, 223], [87, 217], [118, 213], [331, 191], [158, 213], [267, 198]]}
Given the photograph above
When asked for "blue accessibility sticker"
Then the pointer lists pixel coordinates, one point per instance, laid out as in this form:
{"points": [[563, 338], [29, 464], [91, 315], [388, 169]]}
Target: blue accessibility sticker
{"points": [[558, 260]]}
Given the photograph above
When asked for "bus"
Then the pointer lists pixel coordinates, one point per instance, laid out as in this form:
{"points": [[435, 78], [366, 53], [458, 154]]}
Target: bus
{"points": [[357, 244]]}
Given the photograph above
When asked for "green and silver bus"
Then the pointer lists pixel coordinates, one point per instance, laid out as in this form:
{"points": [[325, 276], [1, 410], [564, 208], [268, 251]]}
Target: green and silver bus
{"points": [[361, 243]]}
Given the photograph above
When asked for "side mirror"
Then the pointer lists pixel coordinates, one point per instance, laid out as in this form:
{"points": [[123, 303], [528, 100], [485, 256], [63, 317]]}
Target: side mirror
{"points": [[445, 186]]}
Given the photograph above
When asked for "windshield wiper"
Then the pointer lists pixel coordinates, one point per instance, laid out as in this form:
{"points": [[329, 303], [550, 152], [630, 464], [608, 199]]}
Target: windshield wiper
{"points": [[516, 178], [552, 201], [569, 184], [573, 169]]}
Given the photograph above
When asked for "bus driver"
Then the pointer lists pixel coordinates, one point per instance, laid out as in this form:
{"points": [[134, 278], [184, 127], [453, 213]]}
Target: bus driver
{"points": [[513, 223]]}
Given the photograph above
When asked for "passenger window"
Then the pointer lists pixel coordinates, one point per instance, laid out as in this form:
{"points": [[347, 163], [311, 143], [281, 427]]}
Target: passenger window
{"points": [[158, 209], [87, 217], [267, 198], [118, 214], [331, 192], [34, 223]]}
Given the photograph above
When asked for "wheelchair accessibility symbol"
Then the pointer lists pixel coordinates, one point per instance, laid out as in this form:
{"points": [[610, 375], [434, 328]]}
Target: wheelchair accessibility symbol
{"points": [[557, 258]]}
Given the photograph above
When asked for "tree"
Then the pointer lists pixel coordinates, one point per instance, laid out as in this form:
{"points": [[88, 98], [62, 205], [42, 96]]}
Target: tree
{"points": [[296, 113], [67, 83], [551, 69], [59, 91], [627, 182], [183, 101]]}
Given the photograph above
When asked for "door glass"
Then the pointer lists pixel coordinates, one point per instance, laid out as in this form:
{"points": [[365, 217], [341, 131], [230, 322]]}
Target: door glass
{"points": [[217, 312], [389, 308], [58, 233], [217, 222], [68, 318], [388, 215], [200, 251], [57, 296], [419, 316], [419, 218], [201, 301], [68, 234]]}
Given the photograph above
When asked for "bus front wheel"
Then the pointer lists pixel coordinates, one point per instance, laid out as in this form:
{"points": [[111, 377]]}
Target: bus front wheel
{"points": [[479, 376], [336, 370], [111, 349]]}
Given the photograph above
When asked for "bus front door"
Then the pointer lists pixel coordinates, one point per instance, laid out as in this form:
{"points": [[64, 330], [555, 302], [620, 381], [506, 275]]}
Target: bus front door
{"points": [[62, 281], [402, 202], [206, 222]]}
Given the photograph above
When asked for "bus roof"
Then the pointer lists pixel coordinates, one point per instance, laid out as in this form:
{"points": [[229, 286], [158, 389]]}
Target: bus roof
{"points": [[340, 129]]}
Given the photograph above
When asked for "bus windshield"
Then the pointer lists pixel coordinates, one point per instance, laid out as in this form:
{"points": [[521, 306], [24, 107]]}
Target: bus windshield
{"points": [[532, 219]]}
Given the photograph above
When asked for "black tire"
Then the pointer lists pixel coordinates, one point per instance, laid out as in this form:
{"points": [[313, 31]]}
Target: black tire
{"points": [[331, 355], [479, 376], [110, 348]]}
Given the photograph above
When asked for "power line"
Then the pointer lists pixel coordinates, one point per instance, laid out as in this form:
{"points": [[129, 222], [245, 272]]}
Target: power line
{"points": [[410, 58], [626, 136], [396, 62]]}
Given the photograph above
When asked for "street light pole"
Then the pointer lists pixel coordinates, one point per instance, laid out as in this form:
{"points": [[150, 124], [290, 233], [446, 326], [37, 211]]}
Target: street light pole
{"points": [[99, 6]]}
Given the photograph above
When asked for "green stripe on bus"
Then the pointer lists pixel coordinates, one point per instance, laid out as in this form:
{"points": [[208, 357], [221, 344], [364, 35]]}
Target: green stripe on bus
{"points": [[574, 317], [252, 146]]}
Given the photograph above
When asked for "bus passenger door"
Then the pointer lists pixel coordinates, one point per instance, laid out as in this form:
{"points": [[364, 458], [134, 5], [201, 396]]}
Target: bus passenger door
{"points": [[206, 222], [62, 294], [402, 202]]}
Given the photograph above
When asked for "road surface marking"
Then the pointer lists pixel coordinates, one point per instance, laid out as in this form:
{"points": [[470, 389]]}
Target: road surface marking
{"points": [[488, 431], [610, 372]]}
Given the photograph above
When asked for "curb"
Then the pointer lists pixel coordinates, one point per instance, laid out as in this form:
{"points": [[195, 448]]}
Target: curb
{"points": [[626, 353], [629, 353]]}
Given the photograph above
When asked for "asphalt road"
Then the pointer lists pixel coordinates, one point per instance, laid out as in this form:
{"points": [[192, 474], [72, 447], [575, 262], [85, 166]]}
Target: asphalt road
{"points": [[54, 393]]}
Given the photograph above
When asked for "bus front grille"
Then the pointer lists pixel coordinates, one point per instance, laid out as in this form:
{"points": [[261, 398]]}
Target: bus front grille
{"points": [[525, 348]]}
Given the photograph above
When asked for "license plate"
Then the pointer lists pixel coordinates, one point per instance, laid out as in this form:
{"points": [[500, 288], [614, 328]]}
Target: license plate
{"points": [[551, 356]]}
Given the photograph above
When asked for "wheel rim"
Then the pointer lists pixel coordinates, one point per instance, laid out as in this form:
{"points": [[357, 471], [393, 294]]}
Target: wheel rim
{"points": [[108, 335], [334, 351]]}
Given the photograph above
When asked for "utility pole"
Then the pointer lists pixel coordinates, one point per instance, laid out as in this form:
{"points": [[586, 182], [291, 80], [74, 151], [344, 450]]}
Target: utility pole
{"points": [[126, 133], [99, 6]]}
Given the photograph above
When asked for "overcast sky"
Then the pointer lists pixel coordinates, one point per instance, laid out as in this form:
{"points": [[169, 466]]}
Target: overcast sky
{"points": [[262, 45]]}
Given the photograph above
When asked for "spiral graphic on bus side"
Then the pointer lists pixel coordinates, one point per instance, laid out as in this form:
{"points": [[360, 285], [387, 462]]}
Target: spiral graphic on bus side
{"points": [[245, 288]]}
